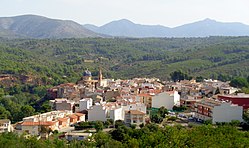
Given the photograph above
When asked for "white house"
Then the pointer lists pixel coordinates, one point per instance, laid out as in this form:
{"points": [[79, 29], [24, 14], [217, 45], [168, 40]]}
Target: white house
{"points": [[5, 126], [218, 111], [97, 113], [86, 104], [34, 128], [134, 117], [134, 106], [227, 112], [117, 114], [102, 112], [166, 99]]}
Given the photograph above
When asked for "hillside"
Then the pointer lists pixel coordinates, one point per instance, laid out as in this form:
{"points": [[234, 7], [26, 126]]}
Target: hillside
{"points": [[204, 28], [126, 28], [39, 27], [55, 61], [32, 26]]}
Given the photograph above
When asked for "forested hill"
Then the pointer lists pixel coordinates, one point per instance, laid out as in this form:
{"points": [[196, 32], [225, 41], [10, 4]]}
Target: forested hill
{"points": [[54, 61], [33, 26]]}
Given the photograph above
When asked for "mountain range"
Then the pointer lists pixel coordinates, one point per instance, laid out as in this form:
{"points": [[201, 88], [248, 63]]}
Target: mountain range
{"points": [[33, 26], [202, 28]]}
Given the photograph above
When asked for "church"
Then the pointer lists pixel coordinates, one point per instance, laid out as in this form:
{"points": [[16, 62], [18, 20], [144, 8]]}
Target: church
{"points": [[89, 82]]}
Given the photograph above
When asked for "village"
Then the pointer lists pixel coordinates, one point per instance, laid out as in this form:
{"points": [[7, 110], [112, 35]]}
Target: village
{"points": [[132, 102]]}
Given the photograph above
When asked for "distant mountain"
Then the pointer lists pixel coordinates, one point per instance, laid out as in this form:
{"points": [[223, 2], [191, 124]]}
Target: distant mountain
{"points": [[32, 26], [127, 28], [202, 28], [210, 27]]}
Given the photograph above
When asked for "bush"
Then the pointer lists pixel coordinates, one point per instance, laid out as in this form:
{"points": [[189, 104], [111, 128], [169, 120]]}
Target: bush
{"points": [[172, 118], [133, 126]]}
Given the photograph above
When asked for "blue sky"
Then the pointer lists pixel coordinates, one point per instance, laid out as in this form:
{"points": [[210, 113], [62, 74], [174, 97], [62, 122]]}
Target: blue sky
{"points": [[153, 12]]}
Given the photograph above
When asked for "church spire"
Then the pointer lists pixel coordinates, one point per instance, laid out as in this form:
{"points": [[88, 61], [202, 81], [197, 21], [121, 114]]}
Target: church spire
{"points": [[100, 76]]}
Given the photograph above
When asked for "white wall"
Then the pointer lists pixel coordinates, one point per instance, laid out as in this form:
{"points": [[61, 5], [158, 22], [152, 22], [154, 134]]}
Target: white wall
{"points": [[97, 113], [138, 106], [227, 113], [163, 99], [117, 114], [85, 104], [33, 130], [176, 98]]}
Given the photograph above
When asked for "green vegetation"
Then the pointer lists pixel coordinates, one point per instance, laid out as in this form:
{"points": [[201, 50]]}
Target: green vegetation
{"points": [[159, 115], [30, 66], [49, 60], [242, 83], [179, 75], [150, 135]]}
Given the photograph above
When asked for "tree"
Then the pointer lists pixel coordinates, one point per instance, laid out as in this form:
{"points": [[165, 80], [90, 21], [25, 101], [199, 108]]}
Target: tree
{"points": [[101, 138], [1, 92], [108, 123], [178, 76], [4, 114], [163, 111], [199, 79], [207, 122], [133, 126], [235, 123], [156, 118], [99, 126], [119, 123], [26, 111], [141, 125], [239, 82]]}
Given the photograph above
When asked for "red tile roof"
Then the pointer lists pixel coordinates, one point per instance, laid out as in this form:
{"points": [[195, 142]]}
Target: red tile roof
{"points": [[135, 112], [44, 123], [63, 119], [73, 116], [79, 114]]}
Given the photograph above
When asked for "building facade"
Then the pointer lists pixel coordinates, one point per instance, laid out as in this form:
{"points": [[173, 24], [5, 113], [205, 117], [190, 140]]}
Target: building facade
{"points": [[134, 117], [217, 111], [5, 126]]}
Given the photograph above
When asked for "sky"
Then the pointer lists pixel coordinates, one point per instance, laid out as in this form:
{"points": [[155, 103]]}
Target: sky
{"points": [[168, 13]]}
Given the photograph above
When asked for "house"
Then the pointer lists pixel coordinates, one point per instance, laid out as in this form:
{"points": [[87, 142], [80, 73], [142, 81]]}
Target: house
{"points": [[218, 111], [146, 99], [241, 99], [86, 104], [80, 117], [111, 94], [228, 90], [48, 116], [166, 99], [68, 90], [64, 122], [34, 128], [73, 119], [134, 117], [134, 106], [189, 101], [97, 112], [116, 114], [5, 126], [63, 104], [102, 112]]}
